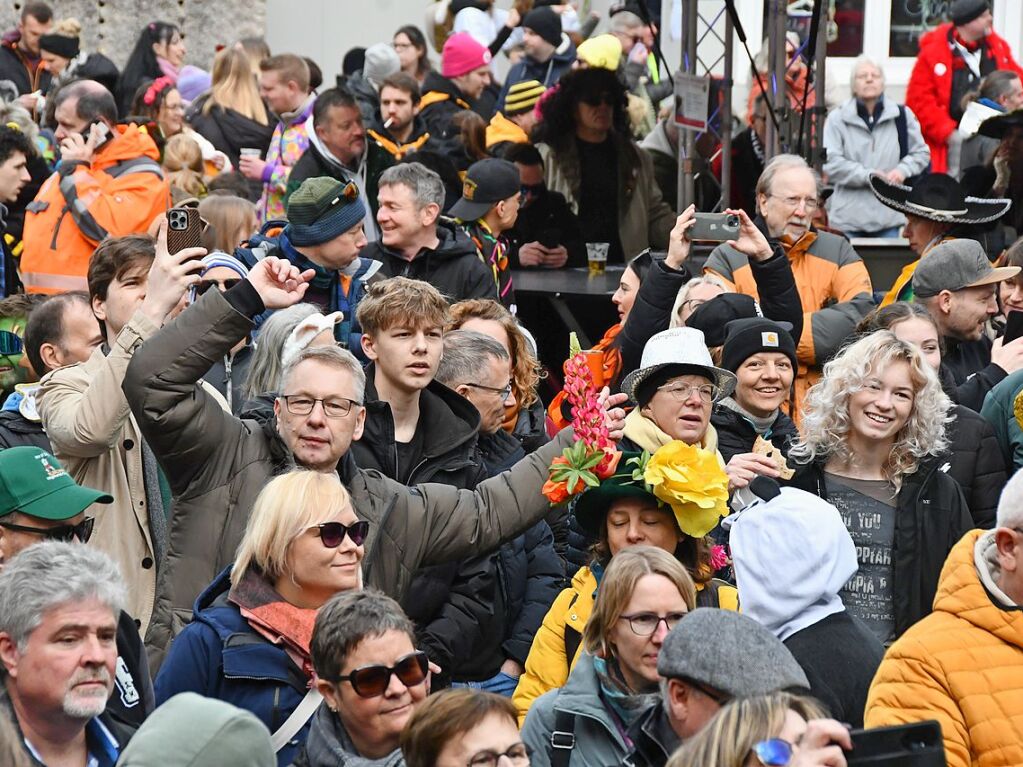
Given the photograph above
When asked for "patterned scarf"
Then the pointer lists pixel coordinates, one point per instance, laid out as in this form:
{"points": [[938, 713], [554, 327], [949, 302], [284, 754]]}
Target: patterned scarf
{"points": [[627, 704]]}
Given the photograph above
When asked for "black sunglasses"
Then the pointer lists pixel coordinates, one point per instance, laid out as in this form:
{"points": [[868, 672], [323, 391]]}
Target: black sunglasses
{"points": [[372, 681], [597, 99], [333, 533], [10, 343], [203, 285], [66, 533]]}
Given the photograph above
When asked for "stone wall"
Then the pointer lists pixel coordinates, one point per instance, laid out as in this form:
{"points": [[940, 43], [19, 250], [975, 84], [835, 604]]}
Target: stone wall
{"points": [[112, 26]]}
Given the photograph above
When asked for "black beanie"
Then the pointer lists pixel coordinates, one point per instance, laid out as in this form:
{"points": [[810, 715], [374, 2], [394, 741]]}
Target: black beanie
{"points": [[965, 11], [746, 337], [60, 45], [546, 23], [711, 317]]}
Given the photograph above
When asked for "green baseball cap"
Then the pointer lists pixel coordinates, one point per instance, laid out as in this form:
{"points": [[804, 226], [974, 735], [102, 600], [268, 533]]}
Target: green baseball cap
{"points": [[33, 482]]}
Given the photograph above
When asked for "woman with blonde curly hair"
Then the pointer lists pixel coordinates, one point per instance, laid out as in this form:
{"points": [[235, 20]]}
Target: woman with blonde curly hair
{"points": [[524, 420], [874, 438], [764, 730]]}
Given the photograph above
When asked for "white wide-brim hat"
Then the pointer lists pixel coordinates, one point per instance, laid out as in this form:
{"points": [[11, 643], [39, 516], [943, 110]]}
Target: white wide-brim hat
{"points": [[678, 346]]}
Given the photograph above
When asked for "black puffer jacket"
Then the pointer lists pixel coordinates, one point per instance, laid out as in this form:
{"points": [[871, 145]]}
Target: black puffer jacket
{"points": [[931, 516], [452, 267], [736, 434], [16, 430], [977, 464], [230, 131], [973, 371]]}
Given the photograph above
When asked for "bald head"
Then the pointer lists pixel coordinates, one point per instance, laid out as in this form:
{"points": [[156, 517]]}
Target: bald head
{"points": [[80, 103]]}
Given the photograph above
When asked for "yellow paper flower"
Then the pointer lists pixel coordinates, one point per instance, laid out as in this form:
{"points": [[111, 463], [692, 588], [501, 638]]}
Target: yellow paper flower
{"points": [[691, 481]]}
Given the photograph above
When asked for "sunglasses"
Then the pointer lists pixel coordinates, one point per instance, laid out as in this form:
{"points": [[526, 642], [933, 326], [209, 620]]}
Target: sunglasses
{"points": [[774, 752], [532, 190], [10, 343], [65, 533], [203, 285], [347, 195], [372, 681], [598, 99], [333, 533]]}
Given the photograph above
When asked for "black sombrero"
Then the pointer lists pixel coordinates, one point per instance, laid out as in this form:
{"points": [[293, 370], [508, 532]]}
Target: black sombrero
{"points": [[938, 197], [996, 126]]}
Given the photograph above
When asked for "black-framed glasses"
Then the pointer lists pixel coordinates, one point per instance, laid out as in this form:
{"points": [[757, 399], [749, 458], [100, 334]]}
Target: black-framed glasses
{"points": [[774, 752], [518, 755], [645, 624], [682, 392], [505, 392], [223, 285], [10, 343], [372, 681], [333, 533], [335, 407], [65, 533]]}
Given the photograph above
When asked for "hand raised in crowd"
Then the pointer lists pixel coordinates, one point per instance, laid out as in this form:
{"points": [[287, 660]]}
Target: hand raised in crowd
{"points": [[751, 243], [678, 240], [1008, 356], [745, 467], [822, 745], [614, 416], [169, 277], [279, 283], [514, 18], [74, 148], [251, 167]]}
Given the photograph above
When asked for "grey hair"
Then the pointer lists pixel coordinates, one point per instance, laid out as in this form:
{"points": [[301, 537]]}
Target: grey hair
{"points": [[50, 574], [1010, 504], [346, 620], [13, 112], [623, 21], [860, 61], [782, 162], [425, 184], [333, 356], [466, 354], [265, 368], [683, 294]]}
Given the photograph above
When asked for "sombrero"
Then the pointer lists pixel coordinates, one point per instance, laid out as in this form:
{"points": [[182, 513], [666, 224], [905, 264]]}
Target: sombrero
{"points": [[938, 197]]}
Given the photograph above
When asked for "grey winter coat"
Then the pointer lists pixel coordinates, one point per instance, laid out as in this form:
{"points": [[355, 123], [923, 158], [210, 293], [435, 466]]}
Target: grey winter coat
{"points": [[854, 152], [217, 463]]}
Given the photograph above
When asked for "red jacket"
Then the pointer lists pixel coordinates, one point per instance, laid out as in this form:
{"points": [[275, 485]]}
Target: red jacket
{"points": [[930, 87]]}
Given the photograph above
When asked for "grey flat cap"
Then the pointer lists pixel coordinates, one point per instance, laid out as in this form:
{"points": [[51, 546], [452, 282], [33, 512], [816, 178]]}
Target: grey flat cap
{"points": [[730, 653], [954, 265]]}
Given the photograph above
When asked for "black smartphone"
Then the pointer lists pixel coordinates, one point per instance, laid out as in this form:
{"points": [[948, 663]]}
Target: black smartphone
{"points": [[715, 227], [1013, 327], [917, 744], [184, 229], [550, 237], [107, 135]]}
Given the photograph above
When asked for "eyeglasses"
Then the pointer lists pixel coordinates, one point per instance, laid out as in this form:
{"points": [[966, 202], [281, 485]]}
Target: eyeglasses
{"points": [[682, 392], [598, 99], [645, 624], [66, 533], [372, 681], [505, 392], [518, 755], [333, 533], [774, 752], [223, 285], [10, 343], [809, 203], [299, 404]]}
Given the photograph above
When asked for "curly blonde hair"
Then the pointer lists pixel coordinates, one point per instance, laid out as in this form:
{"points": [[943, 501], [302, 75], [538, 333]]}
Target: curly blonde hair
{"points": [[826, 408]]}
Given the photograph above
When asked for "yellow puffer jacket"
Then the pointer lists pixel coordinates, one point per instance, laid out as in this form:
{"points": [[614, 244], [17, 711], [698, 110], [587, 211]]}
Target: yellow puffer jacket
{"points": [[547, 665], [961, 665]]}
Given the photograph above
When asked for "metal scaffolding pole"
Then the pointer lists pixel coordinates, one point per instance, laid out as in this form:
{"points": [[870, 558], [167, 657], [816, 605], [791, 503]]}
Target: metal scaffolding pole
{"points": [[726, 119], [687, 141], [776, 85]]}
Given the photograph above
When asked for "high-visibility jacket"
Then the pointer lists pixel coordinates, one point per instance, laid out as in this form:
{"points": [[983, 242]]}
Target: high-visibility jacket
{"points": [[120, 192]]}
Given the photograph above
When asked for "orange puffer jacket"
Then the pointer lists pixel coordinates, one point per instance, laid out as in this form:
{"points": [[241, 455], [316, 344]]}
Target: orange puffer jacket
{"points": [[961, 665]]}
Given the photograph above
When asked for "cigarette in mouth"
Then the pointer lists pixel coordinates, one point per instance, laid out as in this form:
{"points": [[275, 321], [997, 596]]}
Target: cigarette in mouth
{"points": [[388, 123]]}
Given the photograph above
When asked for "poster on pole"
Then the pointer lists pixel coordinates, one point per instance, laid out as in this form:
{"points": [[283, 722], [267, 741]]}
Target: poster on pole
{"points": [[692, 101]]}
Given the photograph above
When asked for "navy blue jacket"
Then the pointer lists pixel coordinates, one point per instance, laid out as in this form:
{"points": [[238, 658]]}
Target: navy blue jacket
{"points": [[219, 655]]}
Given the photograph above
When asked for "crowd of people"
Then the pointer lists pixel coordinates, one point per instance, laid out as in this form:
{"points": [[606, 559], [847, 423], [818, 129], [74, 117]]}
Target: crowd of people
{"points": [[301, 483]]}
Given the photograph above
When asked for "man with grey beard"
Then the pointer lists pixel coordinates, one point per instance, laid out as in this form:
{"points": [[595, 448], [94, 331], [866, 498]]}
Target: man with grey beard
{"points": [[59, 606]]}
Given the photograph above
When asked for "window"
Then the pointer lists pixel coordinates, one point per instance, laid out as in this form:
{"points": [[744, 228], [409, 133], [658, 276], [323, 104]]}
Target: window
{"points": [[845, 29], [910, 19]]}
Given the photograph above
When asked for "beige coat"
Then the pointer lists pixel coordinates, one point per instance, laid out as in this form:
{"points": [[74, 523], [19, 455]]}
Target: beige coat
{"points": [[95, 437]]}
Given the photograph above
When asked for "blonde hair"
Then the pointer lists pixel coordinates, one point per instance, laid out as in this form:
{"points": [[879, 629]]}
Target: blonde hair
{"points": [[683, 296], [286, 507], [67, 28], [234, 86], [826, 407], [730, 736], [182, 159], [626, 569], [227, 216]]}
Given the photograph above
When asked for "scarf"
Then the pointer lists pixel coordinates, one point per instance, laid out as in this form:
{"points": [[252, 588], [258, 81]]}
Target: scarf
{"points": [[168, 69], [649, 436], [627, 705], [761, 425], [277, 621]]}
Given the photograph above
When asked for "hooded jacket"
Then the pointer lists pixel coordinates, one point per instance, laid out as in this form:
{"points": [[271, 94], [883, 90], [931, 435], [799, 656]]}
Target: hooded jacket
{"points": [[330, 745], [855, 151], [441, 101], [287, 145], [219, 655], [736, 433], [961, 665], [217, 463], [452, 267], [119, 192], [418, 139], [547, 73], [653, 739]]}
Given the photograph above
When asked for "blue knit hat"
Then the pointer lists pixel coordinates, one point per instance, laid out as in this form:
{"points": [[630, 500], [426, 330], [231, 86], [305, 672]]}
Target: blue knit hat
{"points": [[323, 209], [220, 258]]}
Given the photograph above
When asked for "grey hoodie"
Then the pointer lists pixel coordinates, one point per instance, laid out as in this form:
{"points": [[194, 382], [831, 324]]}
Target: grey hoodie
{"points": [[329, 745], [192, 731], [985, 557]]}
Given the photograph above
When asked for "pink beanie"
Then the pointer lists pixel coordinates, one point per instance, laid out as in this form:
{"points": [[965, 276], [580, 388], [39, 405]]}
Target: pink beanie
{"points": [[461, 55]]}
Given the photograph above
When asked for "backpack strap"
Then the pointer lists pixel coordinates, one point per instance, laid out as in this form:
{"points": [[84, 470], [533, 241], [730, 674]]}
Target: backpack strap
{"points": [[563, 738], [572, 641], [903, 131], [297, 720]]}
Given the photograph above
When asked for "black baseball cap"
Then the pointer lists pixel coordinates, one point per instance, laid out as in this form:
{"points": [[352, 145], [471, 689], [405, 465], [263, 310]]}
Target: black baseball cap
{"points": [[487, 182]]}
